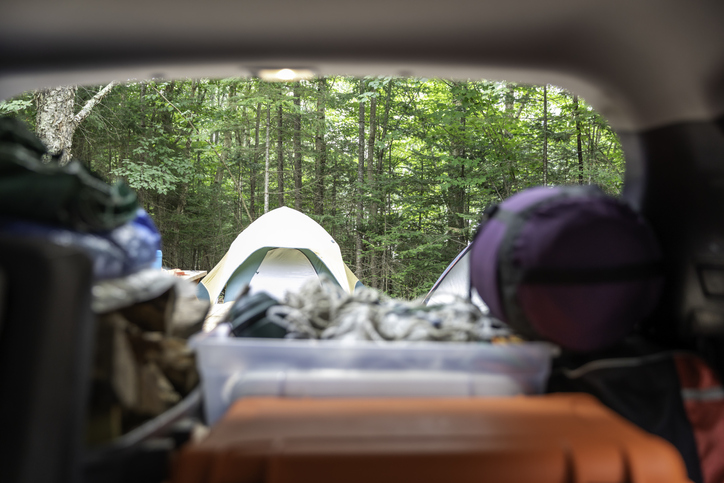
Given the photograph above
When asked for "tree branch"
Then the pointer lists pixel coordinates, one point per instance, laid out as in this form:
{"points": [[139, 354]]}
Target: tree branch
{"points": [[92, 102], [218, 155]]}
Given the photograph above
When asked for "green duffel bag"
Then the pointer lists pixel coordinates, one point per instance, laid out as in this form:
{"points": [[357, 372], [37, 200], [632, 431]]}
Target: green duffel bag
{"points": [[69, 196]]}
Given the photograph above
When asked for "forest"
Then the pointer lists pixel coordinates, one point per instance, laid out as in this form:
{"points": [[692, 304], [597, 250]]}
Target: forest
{"points": [[398, 170]]}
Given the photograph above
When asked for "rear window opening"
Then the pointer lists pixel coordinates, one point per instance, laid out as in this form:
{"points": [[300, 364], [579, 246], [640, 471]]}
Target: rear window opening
{"points": [[397, 170], [394, 174]]}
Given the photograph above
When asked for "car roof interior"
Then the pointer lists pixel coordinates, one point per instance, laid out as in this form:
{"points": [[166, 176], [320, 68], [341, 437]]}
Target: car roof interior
{"points": [[653, 68], [642, 64]]}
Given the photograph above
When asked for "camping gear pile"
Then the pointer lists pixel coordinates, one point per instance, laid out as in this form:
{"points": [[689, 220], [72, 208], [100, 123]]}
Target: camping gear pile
{"points": [[566, 264], [142, 365], [70, 206]]}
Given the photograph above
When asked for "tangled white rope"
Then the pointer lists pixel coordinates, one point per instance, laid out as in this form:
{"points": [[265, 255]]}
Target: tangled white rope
{"points": [[325, 311]]}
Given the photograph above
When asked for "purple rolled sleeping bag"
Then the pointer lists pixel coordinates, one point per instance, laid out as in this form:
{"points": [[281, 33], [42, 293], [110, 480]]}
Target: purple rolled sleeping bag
{"points": [[567, 264]]}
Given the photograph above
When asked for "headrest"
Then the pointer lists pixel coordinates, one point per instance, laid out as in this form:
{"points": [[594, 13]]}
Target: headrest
{"points": [[567, 264]]}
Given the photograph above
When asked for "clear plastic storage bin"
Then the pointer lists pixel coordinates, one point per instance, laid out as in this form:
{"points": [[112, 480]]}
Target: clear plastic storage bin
{"points": [[232, 368]]}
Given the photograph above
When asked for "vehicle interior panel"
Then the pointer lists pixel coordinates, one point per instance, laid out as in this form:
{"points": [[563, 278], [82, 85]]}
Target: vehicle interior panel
{"points": [[653, 68]]}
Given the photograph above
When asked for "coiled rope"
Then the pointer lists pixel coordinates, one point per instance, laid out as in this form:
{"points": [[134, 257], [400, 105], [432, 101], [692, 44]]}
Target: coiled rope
{"points": [[323, 310]]}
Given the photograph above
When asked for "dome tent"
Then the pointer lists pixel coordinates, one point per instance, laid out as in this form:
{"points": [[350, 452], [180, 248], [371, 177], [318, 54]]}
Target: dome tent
{"points": [[276, 253], [455, 283]]}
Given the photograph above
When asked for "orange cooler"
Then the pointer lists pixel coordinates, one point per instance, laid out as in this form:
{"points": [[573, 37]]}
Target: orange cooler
{"points": [[561, 438]]}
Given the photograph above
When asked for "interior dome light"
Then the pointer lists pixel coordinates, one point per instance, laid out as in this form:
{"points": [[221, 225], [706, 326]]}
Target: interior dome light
{"points": [[284, 75]]}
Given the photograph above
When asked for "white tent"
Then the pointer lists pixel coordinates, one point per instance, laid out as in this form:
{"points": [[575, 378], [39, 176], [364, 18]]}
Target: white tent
{"points": [[455, 282], [277, 253]]}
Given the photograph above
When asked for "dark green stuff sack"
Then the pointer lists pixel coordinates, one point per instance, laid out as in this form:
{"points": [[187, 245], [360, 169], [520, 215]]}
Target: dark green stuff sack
{"points": [[69, 196]]}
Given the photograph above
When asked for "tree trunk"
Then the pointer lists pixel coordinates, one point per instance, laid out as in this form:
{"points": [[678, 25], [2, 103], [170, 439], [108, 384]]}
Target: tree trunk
{"points": [[216, 201], [456, 192], [380, 228], [297, 141], [226, 144], [333, 197], [579, 147], [56, 120], [242, 141], [371, 186], [360, 181], [225, 155], [280, 156], [234, 139], [321, 148], [266, 160], [177, 260], [545, 135], [509, 100], [255, 163]]}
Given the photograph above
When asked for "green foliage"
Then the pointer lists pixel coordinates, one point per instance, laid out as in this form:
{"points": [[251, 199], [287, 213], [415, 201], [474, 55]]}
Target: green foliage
{"points": [[195, 152], [14, 106], [145, 177]]}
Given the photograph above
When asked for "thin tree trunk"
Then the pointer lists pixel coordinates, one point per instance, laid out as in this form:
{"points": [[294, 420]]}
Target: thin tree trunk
{"points": [[371, 142], [333, 198], [235, 133], [545, 135], [266, 160], [380, 228], [509, 100], [371, 186], [297, 149], [242, 141], [255, 163], [385, 125], [178, 259], [456, 171], [578, 139], [225, 153], [320, 148], [216, 196], [280, 157], [218, 178], [175, 256], [360, 181], [183, 197]]}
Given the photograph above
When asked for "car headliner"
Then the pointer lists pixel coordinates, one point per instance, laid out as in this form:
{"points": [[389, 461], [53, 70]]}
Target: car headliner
{"points": [[641, 63]]}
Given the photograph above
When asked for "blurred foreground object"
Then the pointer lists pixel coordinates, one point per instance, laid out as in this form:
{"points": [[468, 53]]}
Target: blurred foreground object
{"points": [[142, 364], [68, 196], [567, 264], [546, 439], [69, 206]]}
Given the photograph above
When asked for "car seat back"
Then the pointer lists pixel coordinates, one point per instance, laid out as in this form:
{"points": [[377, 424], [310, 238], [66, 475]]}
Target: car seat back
{"points": [[45, 350]]}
